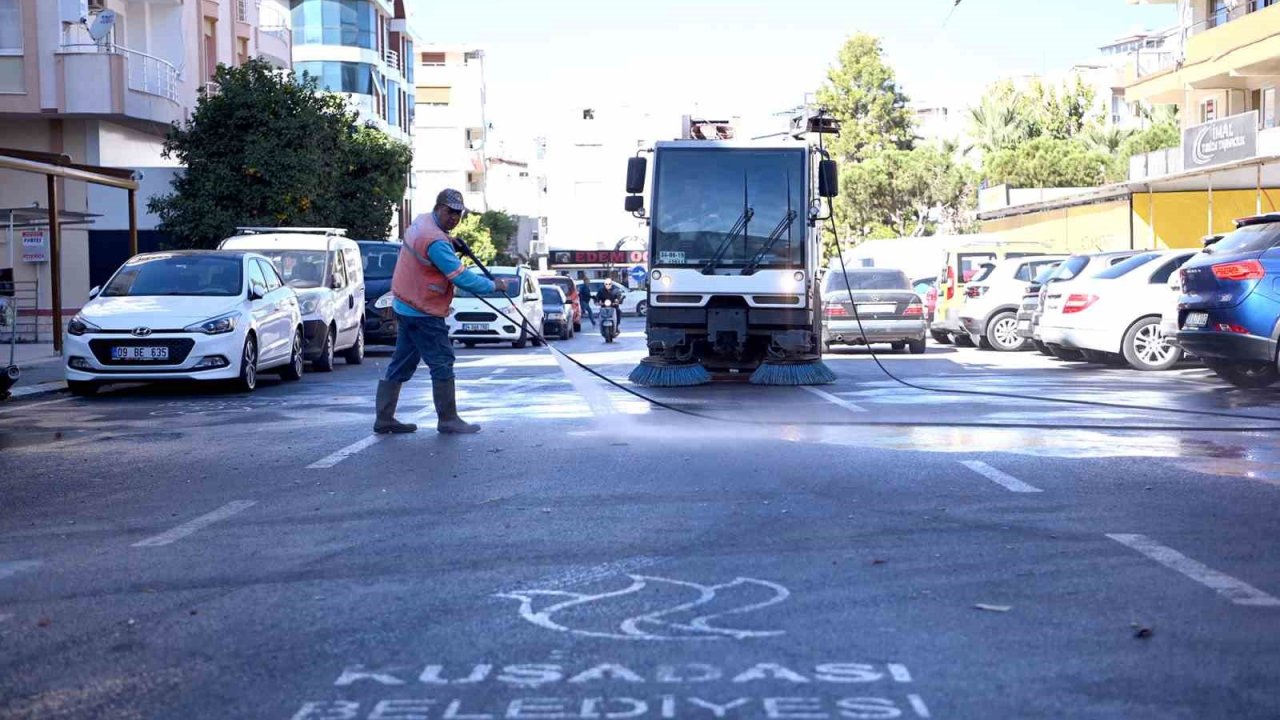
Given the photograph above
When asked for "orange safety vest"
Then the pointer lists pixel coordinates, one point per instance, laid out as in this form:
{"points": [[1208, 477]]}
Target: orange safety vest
{"points": [[417, 282]]}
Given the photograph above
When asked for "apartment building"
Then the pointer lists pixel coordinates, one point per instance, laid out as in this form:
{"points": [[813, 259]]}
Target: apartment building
{"points": [[100, 81], [451, 127]]}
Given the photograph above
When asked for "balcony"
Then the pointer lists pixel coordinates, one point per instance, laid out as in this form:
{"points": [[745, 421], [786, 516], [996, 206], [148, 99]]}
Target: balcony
{"points": [[115, 80], [392, 58], [275, 43]]}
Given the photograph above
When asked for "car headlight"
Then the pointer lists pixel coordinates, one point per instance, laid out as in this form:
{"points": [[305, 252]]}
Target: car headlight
{"points": [[555, 316], [384, 302], [309, 305], [80, 326], [215, 326]]}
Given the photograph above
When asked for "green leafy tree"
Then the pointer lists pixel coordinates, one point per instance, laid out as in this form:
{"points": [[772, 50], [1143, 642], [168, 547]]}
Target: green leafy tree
{"points": [[502, 227], [269, 149], [1063, 112], [1001, 121], [473, 232], [862, 92], [1048, 162]]}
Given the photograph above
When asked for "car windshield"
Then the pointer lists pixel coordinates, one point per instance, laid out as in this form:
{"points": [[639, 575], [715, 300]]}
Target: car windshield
{"points": [[1249, 239], [867, 280], [1070, 268], [1123, 268], [564, 283], [1047, 272], [702, 196], [379, 260], [513, 287], [300, 269], [552, 296], [201, 275]]}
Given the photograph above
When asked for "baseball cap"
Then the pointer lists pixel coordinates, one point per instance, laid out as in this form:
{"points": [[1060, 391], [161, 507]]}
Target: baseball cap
{"points": [[451, 198]]}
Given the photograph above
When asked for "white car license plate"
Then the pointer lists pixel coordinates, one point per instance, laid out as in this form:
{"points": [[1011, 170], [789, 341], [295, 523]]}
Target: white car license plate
{"points": [[474, 327], [1196, 320], [143, 353], [874, 308]]}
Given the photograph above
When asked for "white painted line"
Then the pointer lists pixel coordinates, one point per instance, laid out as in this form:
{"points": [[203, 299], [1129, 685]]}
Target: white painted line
{"points": [[1005, 480], [35, 405], [192, 526], [899, 673], [329, 461], [44, 387], [499, 371], [917, 704], [1237, 591], [13, 567], [835, 400]]}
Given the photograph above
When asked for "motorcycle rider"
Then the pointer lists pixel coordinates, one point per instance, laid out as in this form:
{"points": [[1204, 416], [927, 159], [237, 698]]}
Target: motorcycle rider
{"points": [[613, 294]]}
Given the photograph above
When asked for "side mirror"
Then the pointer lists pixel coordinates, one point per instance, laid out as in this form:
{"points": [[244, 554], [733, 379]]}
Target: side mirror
{"points": [[257, 292], [635, 203], [335, 283], [637, 168], [828, 179], [93, 291]]}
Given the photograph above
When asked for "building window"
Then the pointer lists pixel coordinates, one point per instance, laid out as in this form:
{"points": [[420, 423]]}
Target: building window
{"points": [[407, 61], [1268, 108], [432, 94], [242, 50], [1208, 111], [475, 182], [393, 107], [353, 23], [1219, 12], [210, 48], [347, 77], [433, 59], [12, 66]]}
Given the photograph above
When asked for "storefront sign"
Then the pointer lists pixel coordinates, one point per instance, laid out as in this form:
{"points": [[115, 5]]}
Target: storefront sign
{"points": [[1220, 141], [35, 246], [595, 258]]}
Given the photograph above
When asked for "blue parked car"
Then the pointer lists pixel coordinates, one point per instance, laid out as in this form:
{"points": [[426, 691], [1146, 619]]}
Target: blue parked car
{"points": [[1229, 312]]}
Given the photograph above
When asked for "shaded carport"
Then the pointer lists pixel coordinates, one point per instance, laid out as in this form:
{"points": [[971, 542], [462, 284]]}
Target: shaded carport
{"points": [[54, 167]]}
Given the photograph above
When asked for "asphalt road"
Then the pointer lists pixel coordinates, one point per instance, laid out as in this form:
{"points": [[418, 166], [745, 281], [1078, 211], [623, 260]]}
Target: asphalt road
{"points": [[184, 553]]}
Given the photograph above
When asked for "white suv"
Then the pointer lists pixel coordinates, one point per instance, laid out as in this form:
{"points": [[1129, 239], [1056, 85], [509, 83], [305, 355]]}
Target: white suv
{"points": [[991, 300], [325, 269], [518, 319]]}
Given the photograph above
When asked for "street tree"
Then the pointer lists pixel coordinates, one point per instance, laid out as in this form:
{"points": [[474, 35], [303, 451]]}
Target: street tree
{"points": [[1000, 121], [374, 180], [473, 232], [1048, 162], [862, 93], [502, 227]]}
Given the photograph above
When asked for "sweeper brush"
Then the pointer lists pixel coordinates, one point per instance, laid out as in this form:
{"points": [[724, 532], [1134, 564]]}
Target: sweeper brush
{"points": [[653, 372], [793, 373]]}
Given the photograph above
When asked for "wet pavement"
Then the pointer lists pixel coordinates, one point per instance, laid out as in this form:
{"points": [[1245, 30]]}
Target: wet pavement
{"points": [[860, 550]]}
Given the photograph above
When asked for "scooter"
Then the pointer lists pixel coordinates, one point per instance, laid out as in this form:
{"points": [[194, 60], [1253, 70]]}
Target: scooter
{"points": [[608, 321]]}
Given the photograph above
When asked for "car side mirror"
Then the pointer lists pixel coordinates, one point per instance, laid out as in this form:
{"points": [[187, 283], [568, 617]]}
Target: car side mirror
{"points": [[257, 292], [828, 179], [532, 297], [94, 291], [634, 203], [637, 168], [335, 283]]}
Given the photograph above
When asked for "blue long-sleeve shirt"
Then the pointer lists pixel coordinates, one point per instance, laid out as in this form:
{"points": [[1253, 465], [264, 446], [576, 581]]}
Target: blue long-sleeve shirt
{"points": [[441, 254]]}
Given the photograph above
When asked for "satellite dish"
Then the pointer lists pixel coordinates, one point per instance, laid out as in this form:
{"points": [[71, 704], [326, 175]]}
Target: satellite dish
{"points": [[102, 24]]}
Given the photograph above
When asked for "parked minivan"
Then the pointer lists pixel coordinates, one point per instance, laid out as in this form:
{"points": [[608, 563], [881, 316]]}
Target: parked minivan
{"points": [[518, 319], [962, 263], [326, 270]]}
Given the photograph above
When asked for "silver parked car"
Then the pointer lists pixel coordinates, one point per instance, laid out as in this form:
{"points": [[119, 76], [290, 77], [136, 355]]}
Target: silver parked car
{"points": [[888, 309]]}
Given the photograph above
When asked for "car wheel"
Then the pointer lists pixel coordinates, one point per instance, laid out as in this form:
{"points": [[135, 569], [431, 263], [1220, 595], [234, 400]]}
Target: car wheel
{"points": [[1065, 354], [355, 354], [940, 337], [524, 338], [566, 331], [1252, 375], [293, 371], [324, 363], [248, 380], [917, 347], [962, 340], [642, 307], [83, 388], [1041, 348], [1002, 333], [898, 346], [1146, 348]]}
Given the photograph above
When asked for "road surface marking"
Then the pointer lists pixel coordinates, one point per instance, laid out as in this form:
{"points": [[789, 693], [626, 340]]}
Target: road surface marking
{"points": [[899, 673], [329, 461], [36, 405], [44, 387], [499, 371], [13, 567], [192, 526], [917, 704], [1008, 482], [1237, 591], [834, 400]]}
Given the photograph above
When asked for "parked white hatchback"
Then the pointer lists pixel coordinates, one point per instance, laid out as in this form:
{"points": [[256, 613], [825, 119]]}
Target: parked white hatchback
{"points": [[1116, 313], [991, 299], [519, 318], [192, 315]]}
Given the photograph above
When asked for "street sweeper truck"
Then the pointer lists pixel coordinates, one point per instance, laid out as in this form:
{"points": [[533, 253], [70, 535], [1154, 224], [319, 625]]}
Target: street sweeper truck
{"points": [[734, 244]]}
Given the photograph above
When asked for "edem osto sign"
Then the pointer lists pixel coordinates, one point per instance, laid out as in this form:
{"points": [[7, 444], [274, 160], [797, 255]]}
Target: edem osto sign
{"points": [[683, 682], [1220, 141]]}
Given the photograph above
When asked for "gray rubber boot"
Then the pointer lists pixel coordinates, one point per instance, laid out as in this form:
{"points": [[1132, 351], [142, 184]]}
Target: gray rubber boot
{"points": [[388, 398], [447, 410]]}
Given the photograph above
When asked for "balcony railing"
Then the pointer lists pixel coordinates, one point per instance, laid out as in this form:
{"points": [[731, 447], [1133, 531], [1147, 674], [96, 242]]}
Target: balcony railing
{"points": [[392, 58], [1224, 15], [147, 73], [1150, 62]]}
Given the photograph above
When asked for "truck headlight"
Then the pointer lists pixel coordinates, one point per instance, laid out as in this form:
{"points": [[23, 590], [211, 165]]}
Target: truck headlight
{"points": [[215, 326], [384, 302]]}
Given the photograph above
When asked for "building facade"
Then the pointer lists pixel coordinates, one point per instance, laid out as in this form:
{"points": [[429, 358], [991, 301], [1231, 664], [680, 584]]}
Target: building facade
{"points": [[451, 131], [101, 81]]}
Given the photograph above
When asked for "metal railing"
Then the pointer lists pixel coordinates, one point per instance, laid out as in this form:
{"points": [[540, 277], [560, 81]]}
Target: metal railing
{"points": [[1224, 15], [392, 57], [1152, 61], [146, 73]]}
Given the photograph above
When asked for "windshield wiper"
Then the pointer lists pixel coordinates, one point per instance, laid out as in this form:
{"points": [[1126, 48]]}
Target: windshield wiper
{"points": [[739, 226], [784, 226]]}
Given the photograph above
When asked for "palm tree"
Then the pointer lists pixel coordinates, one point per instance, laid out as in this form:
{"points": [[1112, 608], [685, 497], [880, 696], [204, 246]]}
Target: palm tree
{"points": [[1106, 140], [996, 124]]}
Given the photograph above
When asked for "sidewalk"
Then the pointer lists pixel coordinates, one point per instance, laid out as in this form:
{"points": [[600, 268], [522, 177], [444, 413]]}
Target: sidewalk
{"points": [[41, 368]]}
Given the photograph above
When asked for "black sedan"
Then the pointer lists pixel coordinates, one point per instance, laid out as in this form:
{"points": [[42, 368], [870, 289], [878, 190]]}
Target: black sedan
{"points": [[379, 258], [557, 313]]}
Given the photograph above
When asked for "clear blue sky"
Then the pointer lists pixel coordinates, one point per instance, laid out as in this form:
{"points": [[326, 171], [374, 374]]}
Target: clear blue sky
{"points": [[545, 57]]}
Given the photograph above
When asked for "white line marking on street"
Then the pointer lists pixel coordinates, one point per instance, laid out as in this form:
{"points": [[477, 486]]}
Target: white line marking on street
{"points": [[899, 673], [330, 460], [1005, 480], [835, 400], [38, 388], [917, 704], [36, 405], [13, 567], [192, 526], [499, 371], [1237, 591]]}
